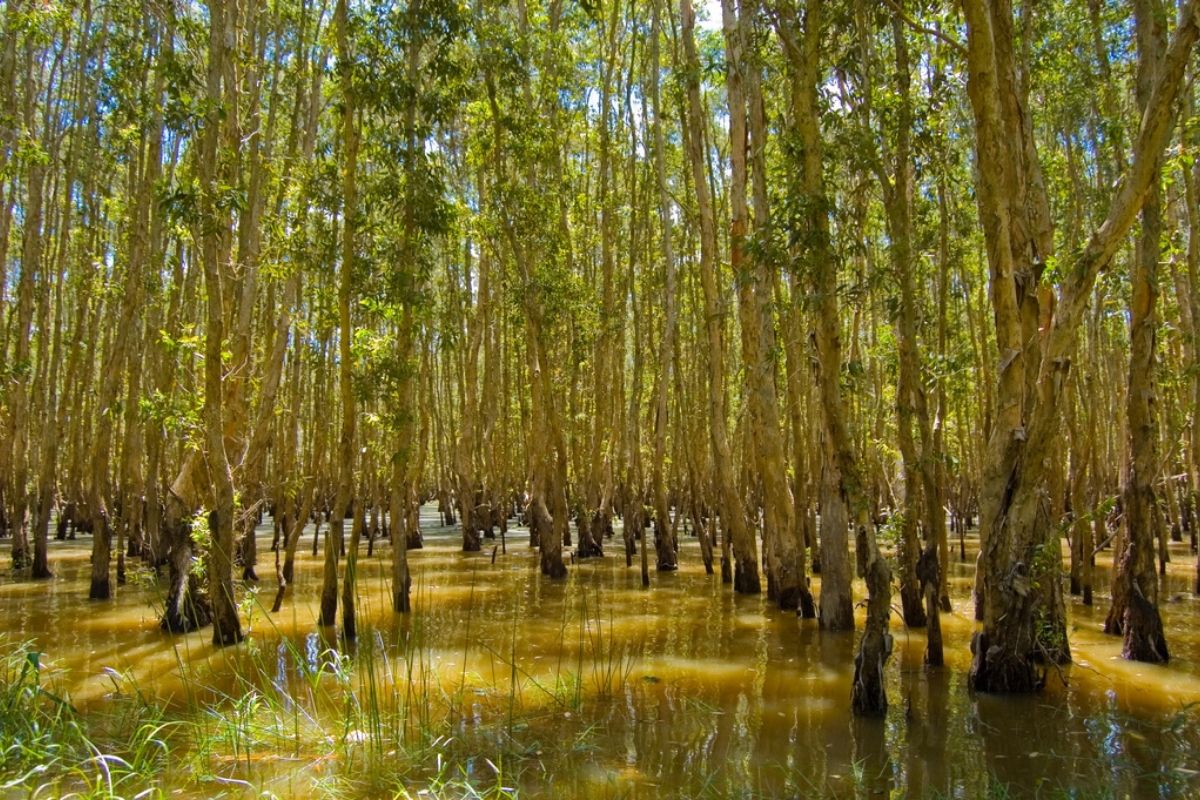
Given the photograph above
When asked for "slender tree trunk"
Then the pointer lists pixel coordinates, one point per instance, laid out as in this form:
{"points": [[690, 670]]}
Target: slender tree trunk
{"points": [[215, 250], [468, 487], [666, 350], [1134, 611], [21, 418], [733, 514], [345, 452]]}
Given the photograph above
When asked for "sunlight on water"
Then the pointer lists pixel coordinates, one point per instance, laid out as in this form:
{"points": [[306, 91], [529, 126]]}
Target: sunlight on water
{"points": [[602, 689]]}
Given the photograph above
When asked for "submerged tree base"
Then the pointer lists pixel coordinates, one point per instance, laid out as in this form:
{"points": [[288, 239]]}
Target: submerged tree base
{"points": [[868, 697], [101, 589], [745, 577], [789, 598], [1000, 670], [187, 607], [1144, 639], [553, 567], [226, 637], [807, 608], [191, 614]]}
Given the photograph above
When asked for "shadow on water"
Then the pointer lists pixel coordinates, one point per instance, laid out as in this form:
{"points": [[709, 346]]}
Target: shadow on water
{"points": [[595, 687]]}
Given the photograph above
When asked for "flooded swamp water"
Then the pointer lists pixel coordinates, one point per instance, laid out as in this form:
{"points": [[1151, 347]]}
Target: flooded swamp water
{"points": [[502, 682]]}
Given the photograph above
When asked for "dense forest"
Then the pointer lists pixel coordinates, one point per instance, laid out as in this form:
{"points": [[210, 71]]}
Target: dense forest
{"points": [[830, 287]]}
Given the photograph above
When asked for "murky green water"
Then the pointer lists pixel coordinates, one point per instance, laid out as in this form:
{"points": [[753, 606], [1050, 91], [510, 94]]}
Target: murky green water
{"points": [[594, 687]]}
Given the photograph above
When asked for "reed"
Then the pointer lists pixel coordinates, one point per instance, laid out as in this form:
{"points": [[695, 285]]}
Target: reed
{"points": [[48, 749]]}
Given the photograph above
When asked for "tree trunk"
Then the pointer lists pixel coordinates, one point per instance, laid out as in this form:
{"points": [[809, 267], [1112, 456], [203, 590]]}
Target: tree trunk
{"points": [[334, 540], [840, 478], [911, 406], [755, 294], [1134, 610], [1022, 602], [733, 515], [215, 243], [666, 350]]}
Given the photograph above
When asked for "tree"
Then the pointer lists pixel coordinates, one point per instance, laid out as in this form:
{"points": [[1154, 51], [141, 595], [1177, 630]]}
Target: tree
{"points": [[732, 512], [1134, 611], [1022, 604]]}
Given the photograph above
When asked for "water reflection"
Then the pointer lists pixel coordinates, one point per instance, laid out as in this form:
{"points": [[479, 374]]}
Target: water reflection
{"points": [[599, 688]]}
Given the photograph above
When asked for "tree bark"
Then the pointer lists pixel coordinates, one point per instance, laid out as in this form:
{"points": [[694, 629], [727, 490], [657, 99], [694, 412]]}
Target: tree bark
{"points": [[841, 488], [1022, 602], [215, 245], [1134, 610], [732, 511]]}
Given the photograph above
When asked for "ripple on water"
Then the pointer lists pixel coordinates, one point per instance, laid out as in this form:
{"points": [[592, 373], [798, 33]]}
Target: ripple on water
{"points": [[597, 687]]}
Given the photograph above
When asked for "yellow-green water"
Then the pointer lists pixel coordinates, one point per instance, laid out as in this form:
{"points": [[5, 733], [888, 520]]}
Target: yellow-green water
{"points": [[596, 687]]}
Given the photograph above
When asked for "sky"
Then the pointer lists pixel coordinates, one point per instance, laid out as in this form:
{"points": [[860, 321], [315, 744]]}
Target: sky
{"points": [[713, 7]]}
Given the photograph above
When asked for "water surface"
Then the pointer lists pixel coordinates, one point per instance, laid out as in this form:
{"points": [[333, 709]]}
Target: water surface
{"points": [[595, 687]]}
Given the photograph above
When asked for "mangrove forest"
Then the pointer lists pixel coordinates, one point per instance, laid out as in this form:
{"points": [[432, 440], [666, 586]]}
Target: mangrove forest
{"points": [[600, 398]]}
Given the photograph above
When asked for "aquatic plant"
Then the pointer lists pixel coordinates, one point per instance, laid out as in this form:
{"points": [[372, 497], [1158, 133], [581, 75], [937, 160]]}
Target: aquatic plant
{"points": [[48, 749]]}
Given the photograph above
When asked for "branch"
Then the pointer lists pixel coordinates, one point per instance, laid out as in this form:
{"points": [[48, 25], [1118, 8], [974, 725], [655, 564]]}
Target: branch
{"points": [[1157, 122], [946, 39]]}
